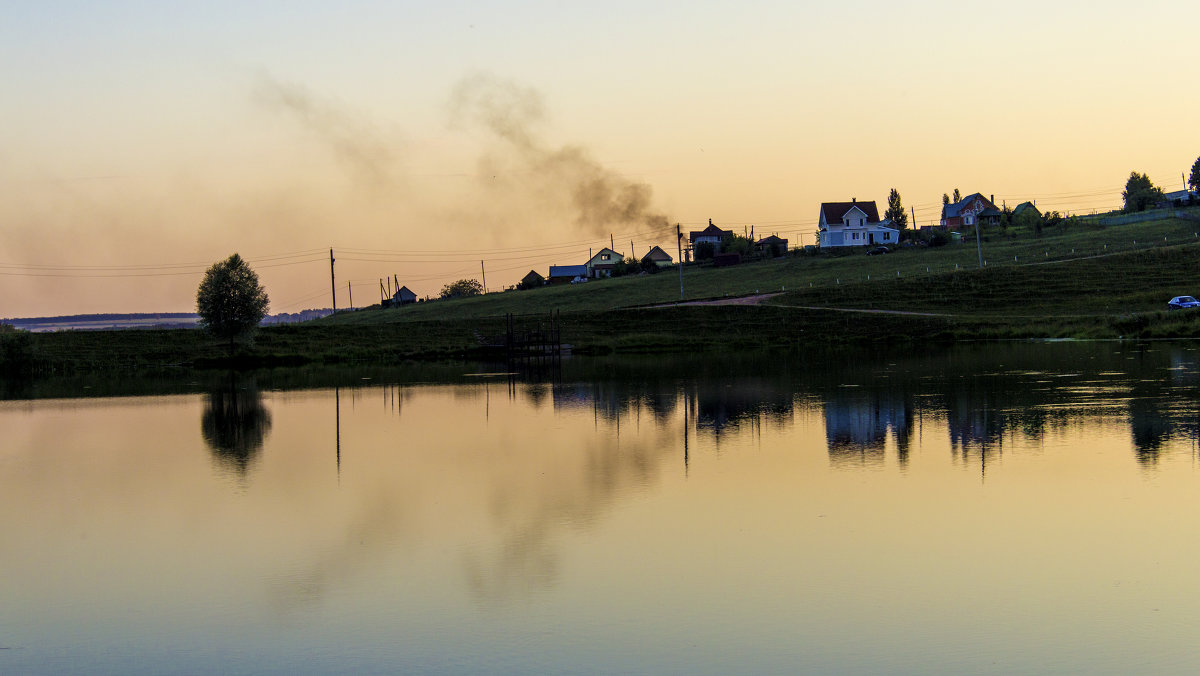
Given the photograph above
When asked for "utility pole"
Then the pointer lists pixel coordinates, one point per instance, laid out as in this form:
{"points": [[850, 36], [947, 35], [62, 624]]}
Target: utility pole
{"points": [[397, 278], [611, 245], [977, 244], [679, 242], [332, 288], [484, 272], [381, 296], [914, 213], [350, 292]]}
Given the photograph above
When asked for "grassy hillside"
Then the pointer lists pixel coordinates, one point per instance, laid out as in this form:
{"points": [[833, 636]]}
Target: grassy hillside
{"points": [[1075, 281], [1117, 268]]}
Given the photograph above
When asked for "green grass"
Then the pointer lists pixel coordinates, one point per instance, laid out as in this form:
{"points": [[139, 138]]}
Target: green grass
{"points": [[1081, 280], [1118, 268]]}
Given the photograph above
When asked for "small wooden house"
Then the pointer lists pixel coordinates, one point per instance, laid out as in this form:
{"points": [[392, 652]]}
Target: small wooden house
{"points": [[1026, 206], [532, 280], [404, 296], [659, 257]]}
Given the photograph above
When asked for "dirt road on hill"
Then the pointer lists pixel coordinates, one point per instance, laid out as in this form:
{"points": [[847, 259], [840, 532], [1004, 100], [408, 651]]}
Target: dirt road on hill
{"points": [[758, 298]]}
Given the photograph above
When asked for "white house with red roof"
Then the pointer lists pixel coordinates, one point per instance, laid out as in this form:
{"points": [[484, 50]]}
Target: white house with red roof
{"points": [[853, 223]]}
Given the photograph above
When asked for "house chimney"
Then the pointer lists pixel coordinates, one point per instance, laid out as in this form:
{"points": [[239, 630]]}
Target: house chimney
{"points": [[853, 200], [993, 200]]}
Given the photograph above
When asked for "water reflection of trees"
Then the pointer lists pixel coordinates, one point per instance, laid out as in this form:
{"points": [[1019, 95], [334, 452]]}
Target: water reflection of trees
{"points": [[984, 397], [984, 394], [235, 424]]}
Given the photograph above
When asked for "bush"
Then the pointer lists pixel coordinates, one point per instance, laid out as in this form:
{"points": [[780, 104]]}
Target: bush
{"points": [[737, 244], [649, 266], [461, 289]]}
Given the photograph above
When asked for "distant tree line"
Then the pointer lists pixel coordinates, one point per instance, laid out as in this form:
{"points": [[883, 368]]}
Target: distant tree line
{"points": [[16, 352]]}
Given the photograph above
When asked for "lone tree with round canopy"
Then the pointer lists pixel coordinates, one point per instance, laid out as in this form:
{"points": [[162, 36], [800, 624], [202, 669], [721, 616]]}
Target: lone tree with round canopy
{"points": [[230, 301], [1140, 193]]}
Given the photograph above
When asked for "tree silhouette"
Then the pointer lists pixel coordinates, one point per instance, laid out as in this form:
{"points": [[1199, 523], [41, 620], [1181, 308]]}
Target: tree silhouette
{"points": [[230, 301], [895, 211], [1140, 192], [462, 288]]}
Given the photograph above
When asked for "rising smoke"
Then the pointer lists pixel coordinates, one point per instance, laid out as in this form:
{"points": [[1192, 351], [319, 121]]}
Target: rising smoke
{"points": [[353, 141], [598, 197]]}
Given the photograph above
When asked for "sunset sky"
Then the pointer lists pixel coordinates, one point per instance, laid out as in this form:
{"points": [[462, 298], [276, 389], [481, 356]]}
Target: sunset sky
{"points": [[142, 141]]}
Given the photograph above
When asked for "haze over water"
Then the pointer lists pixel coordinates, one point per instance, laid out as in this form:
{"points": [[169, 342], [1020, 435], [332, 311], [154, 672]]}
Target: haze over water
{"points": [[1011, 509]]}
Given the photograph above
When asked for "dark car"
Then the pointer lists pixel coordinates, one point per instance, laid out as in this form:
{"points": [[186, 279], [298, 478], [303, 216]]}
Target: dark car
{"points": [[878, 250], [1181, 302]]}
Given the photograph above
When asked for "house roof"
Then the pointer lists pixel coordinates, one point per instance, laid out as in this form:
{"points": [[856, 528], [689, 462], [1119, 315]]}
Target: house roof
{"points": [[1023, 206], [710, 231], [568, 271], [598, 257], [771, 239], [657, 254], [533, 273], [404, 292], [834, 211], [954, 209]]}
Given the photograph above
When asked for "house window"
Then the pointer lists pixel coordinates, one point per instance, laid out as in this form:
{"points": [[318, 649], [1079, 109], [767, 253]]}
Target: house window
{"points": [[604, 257]]}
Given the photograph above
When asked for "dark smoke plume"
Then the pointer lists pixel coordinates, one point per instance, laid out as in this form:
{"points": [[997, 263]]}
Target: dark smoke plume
{"points": [[599, 197]]}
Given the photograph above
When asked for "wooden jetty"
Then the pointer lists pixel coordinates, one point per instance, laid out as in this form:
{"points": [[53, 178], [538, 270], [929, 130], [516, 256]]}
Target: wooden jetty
{"points": [[540, 343]]}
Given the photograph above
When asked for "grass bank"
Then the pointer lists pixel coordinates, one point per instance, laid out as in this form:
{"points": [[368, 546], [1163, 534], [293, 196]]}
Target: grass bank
{"points": [[1081, 280]]}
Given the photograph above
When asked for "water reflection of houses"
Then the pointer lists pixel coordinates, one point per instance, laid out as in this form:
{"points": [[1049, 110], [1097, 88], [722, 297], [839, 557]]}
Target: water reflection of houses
{"points": [[857, 424], [716, 410]]}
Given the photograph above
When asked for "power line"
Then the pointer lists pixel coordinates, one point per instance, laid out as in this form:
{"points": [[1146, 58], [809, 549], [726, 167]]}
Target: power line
{"points": [[115, 272]]}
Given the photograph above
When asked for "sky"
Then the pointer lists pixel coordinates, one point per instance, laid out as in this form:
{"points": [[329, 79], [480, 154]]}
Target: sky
{"points": [[427, 141]]}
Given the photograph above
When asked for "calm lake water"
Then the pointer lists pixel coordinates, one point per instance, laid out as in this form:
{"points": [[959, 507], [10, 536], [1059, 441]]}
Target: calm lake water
{"points": [[1015, 508]]}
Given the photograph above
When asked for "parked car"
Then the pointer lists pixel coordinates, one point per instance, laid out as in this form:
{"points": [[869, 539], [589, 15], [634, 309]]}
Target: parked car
{"points": [[878, 250], [1181, 302]]}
